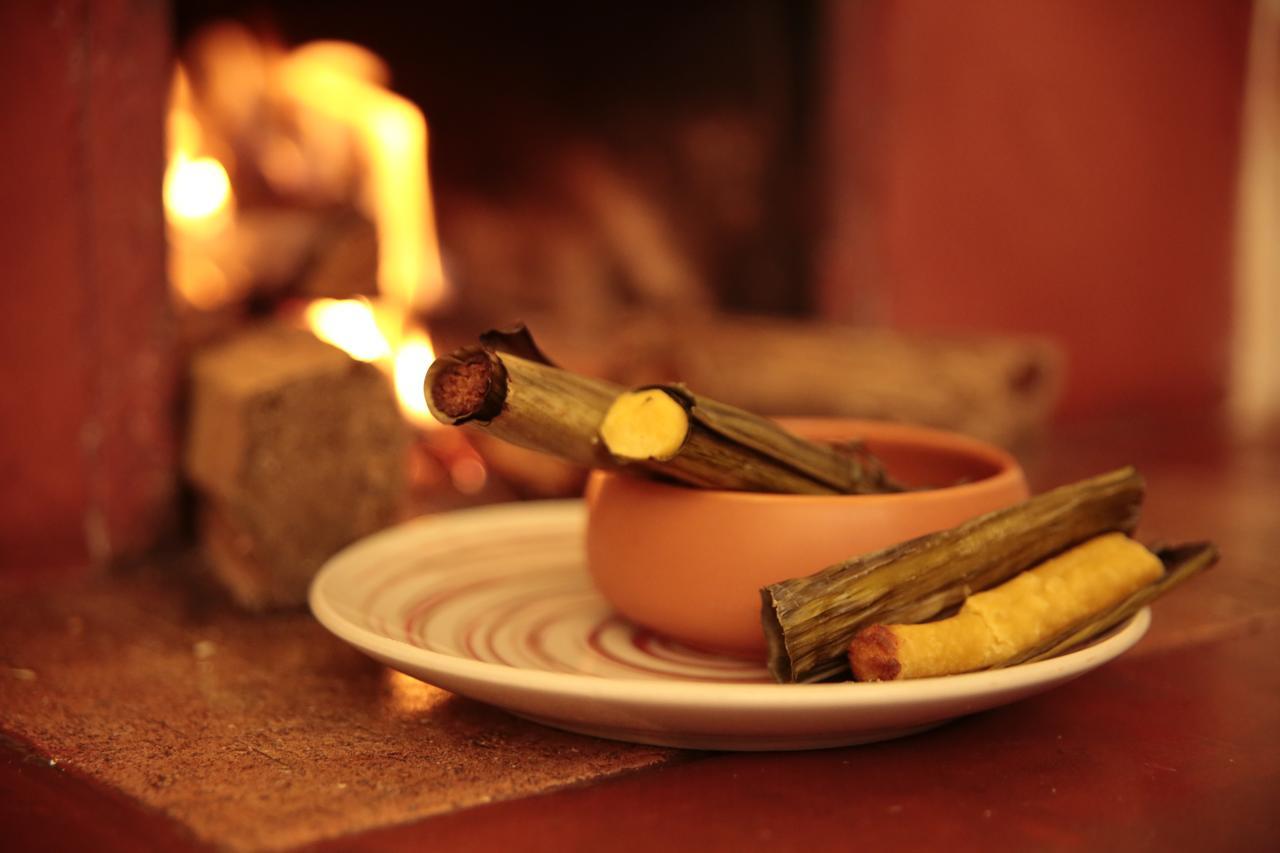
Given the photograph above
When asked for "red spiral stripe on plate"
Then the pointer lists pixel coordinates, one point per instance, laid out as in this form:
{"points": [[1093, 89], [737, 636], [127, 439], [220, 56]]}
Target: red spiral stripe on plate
{"points": [[666, 649], [525, 601], [484, 626], [650, 665], [458, 549]]}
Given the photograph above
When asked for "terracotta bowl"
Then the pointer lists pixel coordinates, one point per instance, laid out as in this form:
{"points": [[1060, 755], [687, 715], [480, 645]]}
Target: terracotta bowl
{"points": [[689, 563]]}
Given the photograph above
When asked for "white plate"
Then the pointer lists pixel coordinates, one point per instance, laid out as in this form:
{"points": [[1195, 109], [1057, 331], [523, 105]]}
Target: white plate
{"points": [[495, 604]]}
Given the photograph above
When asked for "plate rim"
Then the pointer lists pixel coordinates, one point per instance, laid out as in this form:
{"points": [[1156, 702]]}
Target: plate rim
{"points": [[667, 692]]}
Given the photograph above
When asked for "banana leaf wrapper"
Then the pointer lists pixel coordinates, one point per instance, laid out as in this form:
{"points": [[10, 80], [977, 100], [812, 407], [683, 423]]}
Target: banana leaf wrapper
{"points": [[725, 447], [508, 389], [809, 621]]}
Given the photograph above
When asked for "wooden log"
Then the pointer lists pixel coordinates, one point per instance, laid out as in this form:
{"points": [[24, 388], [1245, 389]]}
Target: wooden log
{"points": [[345, 261], [1001, 389], [297, 450]]}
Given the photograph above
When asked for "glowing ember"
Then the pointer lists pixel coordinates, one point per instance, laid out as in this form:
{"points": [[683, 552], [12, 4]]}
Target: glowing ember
{"points": [[195, 190]]}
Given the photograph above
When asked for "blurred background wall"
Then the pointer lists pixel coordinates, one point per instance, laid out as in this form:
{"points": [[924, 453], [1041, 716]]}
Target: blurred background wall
{"points": [[1065, 168], [88, 410]]}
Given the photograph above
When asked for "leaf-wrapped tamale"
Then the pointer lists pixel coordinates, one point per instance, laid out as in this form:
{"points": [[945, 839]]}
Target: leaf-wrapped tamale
{"points": [[508, 389], [1005, 623], [676, 434], [809, 621], [1042, 612]]}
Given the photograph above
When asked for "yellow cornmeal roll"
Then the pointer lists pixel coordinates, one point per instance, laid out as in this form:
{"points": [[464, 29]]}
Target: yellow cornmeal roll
{"points": [[647, 424], [996, 625]]}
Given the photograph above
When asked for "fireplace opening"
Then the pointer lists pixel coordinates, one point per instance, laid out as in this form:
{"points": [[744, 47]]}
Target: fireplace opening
{"points": [[589, 159], [406, 174]]}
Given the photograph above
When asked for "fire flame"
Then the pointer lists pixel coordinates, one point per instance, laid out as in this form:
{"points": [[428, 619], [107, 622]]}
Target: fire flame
{"points": [[196, 190], [351, 326], [340, 82], [372, 332], [412, 359], [198, 204], [345, 123]]}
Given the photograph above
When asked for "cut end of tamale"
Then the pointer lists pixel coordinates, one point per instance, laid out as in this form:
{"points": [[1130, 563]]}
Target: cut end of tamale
{"points": [[648, 424], [873, 655], [462, 388], [468, 385]]}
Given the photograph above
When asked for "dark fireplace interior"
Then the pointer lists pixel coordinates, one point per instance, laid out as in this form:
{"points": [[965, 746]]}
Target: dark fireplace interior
{"points": [[579, 137]]}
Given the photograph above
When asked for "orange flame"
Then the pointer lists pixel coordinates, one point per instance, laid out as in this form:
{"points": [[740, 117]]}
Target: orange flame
{"points": [[339, 81], [412, 359], [197, 190], [346, 122], [351, 325], [376, 333], [198, 204]]}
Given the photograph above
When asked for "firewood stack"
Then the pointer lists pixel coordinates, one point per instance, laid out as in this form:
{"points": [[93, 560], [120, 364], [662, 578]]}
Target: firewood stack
{"points": [[295, 450]]}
